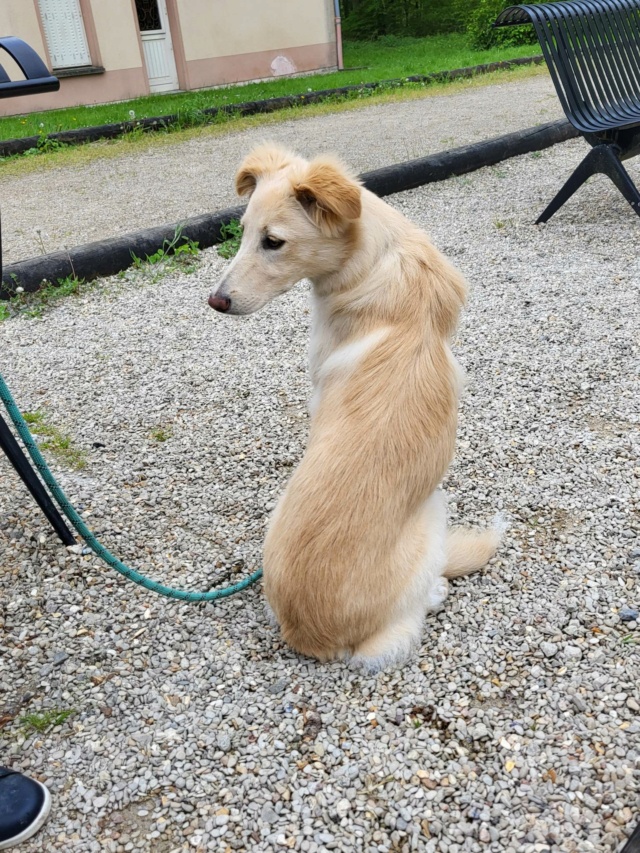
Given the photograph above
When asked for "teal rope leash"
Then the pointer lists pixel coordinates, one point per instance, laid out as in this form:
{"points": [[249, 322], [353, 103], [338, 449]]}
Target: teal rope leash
{"points": [[77, 522]]}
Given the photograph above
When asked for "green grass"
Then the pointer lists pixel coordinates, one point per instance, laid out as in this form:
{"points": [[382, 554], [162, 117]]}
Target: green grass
{"points": [[53, 439], [161, 434], [44, 720], [169, 258], [382, 60], [232, 235], [171, 255], [33, 304]]}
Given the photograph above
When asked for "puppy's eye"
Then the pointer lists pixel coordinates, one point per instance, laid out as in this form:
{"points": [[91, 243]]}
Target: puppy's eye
{"points": [[272, 243]]}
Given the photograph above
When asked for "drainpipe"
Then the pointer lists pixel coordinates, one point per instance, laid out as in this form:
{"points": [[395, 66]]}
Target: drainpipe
{"points": [[336, 6]]}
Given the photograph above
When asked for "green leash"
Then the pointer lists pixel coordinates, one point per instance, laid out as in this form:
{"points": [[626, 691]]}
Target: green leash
{"points": [[77, 522]]}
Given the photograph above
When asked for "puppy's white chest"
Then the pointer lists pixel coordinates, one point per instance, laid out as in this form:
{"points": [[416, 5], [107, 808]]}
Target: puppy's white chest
{"points": [[329, 356]]}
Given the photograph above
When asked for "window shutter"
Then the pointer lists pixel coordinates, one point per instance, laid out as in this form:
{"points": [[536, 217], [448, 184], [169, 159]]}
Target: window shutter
{"points": [[64, 30]]}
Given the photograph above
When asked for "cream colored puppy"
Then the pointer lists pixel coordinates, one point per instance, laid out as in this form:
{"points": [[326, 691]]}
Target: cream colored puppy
{"points": [[358, 548]]}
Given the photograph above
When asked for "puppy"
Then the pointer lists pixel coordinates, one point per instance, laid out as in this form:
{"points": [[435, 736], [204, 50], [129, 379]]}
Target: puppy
{"points": [[358, 548]]}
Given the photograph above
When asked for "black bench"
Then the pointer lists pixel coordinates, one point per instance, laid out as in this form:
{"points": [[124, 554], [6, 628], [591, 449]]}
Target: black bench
{"points": [[592, 50], [36, 79]]}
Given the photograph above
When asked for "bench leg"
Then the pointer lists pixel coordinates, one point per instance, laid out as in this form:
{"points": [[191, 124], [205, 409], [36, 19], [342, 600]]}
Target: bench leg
{"points": [[29, 477], [602, 159]]}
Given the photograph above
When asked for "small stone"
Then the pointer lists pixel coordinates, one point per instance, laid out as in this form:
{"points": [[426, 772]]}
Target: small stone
{"points": [[628, 614], [479, 731], [224, 742], [59, 657], [343, 807], [573, 652], [548, 649], [579, 702], [632, 704], [268, 814]]}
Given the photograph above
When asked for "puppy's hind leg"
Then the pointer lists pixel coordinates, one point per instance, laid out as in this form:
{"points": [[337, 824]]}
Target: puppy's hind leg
{"points": [[423, 545]]}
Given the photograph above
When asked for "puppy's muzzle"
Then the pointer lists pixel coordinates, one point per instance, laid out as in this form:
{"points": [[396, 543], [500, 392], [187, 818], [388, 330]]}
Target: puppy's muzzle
{"points": [[220, 303]]}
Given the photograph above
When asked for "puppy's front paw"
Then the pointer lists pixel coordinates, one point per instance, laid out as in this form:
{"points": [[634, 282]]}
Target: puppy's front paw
{"points": [[367, 666]]}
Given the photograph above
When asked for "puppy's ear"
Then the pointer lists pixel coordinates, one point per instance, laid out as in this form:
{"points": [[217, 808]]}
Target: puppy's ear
{"points": [[329, 195], [264, 160]]}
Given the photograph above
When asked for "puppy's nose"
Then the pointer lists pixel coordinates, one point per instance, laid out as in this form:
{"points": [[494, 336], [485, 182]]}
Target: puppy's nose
{"points": [[220, 303]]}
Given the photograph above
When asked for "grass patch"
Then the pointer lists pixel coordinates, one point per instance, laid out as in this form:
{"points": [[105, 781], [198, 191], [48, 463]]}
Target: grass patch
{"points": [[232, 235], [365, 62], [33, 304], [45, 720], [173, 254], [161, 434], [54, 440], [168, 258]]}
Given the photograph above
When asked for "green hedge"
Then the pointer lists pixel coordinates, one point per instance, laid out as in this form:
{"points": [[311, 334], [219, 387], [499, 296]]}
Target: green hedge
{"points": [[366, 20], [482, 34]]}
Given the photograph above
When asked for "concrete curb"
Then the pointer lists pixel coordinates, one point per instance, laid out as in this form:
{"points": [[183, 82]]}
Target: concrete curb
{"points": [[107, 257], [11, 147]]}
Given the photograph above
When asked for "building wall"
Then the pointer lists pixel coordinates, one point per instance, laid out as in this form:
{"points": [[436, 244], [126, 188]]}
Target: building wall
{"points": [[236, 44], [227, 42], [112, 34], [237, 27]]}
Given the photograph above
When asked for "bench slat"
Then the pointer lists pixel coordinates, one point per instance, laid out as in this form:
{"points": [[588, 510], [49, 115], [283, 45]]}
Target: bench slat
{"points": [[592, 50]]}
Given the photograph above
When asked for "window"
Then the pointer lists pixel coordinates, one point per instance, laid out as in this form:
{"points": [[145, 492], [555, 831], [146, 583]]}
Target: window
{"points": [[148, 15], [65, 33]]}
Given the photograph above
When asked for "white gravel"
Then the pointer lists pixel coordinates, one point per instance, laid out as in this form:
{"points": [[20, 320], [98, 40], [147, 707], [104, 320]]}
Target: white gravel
{"points": [[515, 729], [66, 205]]}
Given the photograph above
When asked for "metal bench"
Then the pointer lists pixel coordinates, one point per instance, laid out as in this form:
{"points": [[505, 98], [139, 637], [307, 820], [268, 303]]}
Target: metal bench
{"points": [[37, 79], [592, 50]]}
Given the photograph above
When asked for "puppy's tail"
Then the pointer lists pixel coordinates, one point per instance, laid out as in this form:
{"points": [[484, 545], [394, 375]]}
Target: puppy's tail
{"points": [[469, 550]]}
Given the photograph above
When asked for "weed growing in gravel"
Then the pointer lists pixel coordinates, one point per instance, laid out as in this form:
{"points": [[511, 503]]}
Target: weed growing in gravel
{"points": [[161, 434], [231, 235], [172, 255], [33, 304], [54, 440], [44, 720]]}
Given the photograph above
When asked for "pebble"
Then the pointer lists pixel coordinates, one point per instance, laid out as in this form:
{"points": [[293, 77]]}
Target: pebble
{"points": [[628, 614], [548, 649]]}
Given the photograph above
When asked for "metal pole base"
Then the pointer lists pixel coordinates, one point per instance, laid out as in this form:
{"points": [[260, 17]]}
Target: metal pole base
{"points": [[31, 480], [603, 159]]}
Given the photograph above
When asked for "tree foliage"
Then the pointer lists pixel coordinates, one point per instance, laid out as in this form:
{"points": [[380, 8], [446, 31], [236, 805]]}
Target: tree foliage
{"points": [[371, 19]]}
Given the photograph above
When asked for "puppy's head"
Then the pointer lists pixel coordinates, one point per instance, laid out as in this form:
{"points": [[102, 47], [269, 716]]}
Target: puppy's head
{"points": [[299, 223]]}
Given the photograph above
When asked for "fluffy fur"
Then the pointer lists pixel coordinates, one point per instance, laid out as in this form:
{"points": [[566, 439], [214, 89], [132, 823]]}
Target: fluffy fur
{"points": [[358, 548]]}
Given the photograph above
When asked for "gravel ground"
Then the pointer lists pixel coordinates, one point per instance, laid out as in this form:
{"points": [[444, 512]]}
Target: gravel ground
{"points": [[66, 206], [516, 727]]}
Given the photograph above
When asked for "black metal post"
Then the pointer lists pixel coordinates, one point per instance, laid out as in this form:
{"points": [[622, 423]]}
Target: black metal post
{"points": [[31, 480]]}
